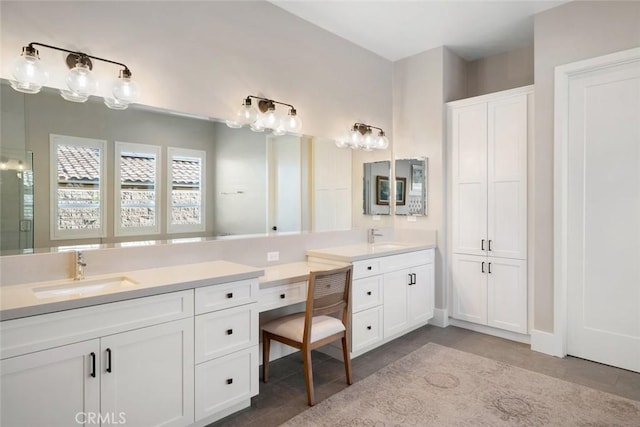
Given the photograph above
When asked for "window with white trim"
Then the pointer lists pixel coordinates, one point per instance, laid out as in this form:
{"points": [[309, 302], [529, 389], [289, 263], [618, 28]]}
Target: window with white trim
{"points": [[78, 190], [186, 201], [137, 189]]}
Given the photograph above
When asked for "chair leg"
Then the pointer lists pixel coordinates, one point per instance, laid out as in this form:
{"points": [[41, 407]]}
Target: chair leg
{"points": [[266, 347], [308, 375], [347, 360]]}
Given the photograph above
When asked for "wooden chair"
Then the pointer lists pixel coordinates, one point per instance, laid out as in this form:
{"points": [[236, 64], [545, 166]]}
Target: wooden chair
{"points": [[329, 292]]}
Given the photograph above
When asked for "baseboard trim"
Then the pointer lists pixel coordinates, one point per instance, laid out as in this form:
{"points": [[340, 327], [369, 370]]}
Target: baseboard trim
{"points": [[440, 318], [500, 333], [547, 343]]}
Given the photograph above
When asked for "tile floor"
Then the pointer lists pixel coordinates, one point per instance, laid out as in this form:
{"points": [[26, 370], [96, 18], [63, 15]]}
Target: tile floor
{"points": [[284, 395]]}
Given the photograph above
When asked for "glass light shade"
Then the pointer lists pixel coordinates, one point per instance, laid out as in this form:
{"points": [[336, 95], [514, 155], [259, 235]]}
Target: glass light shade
{"points": [[72, 96], [341, 143], [355, 138], [233, 124], [271, 119], [28, 74], [125, 91], [368, 142], [80, 81], [382, 143], [114, 104], [280, 129], [258, 124], [293, 123]]}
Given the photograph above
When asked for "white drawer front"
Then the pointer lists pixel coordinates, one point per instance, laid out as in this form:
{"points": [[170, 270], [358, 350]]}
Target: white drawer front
{"points": [[35, 333], [366, 329], [218, 297], [407, 260], [223, 332], [366, 293], [280, 296], [226, 381], [366, 268]]}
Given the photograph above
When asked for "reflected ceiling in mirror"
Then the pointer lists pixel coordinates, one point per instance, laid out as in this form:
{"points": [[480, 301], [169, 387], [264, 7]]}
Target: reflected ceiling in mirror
{"points": [[256, 183]]}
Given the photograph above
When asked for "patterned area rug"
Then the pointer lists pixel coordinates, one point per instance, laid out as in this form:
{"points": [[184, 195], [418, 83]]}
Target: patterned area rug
{"points": [[440, 386]]}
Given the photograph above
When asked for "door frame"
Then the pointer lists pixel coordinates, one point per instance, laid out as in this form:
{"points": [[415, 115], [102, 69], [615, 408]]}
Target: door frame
{"points": [[557, 344]]}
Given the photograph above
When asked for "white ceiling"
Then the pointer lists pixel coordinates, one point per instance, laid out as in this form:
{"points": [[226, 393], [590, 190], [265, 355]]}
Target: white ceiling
{"points": [[396, 29]]}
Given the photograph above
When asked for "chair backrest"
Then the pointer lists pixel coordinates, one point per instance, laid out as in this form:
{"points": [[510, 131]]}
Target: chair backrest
{"points": [[329, 292]]}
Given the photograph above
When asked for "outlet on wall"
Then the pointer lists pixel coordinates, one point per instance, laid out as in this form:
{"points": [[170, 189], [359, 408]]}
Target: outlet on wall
{"points": [[273, 256]]}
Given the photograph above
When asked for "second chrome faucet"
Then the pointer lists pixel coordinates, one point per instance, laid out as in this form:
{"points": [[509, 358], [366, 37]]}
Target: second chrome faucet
{"points": [[79, 265]]}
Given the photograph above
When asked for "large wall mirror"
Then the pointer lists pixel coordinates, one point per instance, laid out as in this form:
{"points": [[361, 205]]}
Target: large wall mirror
{"points": [[411, 186], [160, 166]]}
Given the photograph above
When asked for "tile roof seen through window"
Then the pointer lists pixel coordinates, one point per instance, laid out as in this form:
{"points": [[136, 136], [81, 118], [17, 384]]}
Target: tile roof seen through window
{"points": [[83, 164]]}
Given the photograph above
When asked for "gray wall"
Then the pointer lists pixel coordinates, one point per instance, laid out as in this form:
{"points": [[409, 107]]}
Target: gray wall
{"points": [[500, 72], [565, 34]]}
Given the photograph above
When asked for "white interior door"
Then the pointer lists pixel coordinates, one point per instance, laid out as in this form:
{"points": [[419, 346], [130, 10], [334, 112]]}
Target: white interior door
{"points": [[603, 215]]}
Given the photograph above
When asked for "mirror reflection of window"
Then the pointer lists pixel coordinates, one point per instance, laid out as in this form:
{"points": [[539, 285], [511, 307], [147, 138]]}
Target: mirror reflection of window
{"points": [[186, 181], [137, 195], [78, 194], [376, 189]]}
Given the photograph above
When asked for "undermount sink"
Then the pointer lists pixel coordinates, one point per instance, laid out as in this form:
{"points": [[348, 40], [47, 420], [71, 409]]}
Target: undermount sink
{"points": [[78, 288]]}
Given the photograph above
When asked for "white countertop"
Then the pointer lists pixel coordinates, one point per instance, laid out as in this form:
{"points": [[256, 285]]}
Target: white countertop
{"points": [[363, 251], [20, 300], [283, 274]]}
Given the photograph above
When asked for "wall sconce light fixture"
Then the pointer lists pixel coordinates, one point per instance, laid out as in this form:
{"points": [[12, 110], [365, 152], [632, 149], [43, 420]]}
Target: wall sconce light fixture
{"points": [[266, 117], [29, 76], [361, 136]]}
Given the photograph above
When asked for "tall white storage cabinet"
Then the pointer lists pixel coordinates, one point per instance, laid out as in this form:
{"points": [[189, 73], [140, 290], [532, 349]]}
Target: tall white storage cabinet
{"points": [[487, 137]]}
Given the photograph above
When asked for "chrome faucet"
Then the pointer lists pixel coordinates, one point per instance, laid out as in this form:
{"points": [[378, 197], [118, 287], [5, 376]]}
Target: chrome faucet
{"points": [[80, 265], [373, 234]]}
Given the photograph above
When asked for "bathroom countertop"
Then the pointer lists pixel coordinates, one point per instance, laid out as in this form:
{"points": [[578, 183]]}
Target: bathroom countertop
{"points": [[283, 274], [363, 251], [18, 301]]}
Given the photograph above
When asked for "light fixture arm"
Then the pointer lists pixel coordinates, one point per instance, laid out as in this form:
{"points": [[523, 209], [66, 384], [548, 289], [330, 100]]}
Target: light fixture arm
{"points": [[265, 102], [126, 70], [363, 128]]}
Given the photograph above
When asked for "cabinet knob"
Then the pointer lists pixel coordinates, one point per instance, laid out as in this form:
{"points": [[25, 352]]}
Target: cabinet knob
{"points": [[282, 296], [368, 267], [369, 327], [230, 295], [229, 380], [368, 292], [229, 331]]}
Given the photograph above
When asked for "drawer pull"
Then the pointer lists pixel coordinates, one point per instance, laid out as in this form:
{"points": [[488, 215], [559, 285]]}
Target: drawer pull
{"points": [[369, 327], [483, 266], [230, 295], [282, 296], [93, 364], [109, 360], [368, 267], [229, 380], [229, 331], [368, 292]]}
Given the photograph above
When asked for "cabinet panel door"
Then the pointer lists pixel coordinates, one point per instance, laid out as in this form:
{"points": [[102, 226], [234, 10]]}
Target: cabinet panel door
{"points": [[51, 387], [507, 178], [421, 295], [468, 135], [469, 286], [395, 313], [151, 378], [507, 294]]}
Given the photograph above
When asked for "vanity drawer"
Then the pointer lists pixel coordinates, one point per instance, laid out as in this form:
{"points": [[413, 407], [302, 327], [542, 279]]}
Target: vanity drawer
{"points": [[280, 296], [366, 293], [366, 329], [223, 332], [225, 382], [44, 331], [218, 297], [366, 268], [406, 260]]}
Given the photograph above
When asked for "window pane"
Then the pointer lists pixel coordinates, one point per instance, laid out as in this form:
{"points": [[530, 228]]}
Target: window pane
{"points": [[186, 191], [138, 201], [78, 191]]}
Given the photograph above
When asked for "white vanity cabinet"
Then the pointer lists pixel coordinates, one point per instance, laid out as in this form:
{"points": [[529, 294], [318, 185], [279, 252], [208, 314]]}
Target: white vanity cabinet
{"points": [[226, 351], [105, 362], [391, 295]]}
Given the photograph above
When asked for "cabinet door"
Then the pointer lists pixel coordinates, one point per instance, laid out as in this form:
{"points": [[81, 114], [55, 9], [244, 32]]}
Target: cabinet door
{"points": [[468, 133], [507, 178], [147, 374], [396, 294], [51, 387], [469, 288], [421, 295], [507, 294]]}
